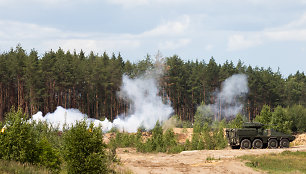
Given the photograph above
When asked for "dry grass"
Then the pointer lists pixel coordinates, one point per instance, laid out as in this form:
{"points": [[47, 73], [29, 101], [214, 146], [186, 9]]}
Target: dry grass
{"points": [[12, 167]]}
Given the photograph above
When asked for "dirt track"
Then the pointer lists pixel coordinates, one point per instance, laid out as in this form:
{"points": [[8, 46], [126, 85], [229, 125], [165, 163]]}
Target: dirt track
{"points": [[192, 161]]}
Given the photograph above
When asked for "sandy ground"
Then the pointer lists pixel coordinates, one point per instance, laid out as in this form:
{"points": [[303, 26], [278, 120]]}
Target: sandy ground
{"points": [[192, 161], [195, 161]]}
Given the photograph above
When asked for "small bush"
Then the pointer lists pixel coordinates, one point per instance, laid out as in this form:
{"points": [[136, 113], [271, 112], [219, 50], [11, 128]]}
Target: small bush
{"points": [[187, 145], [237, 122], [18, 141], [84, 150], [53, 135], [206, 137], [21, 141], [180, 123], [160, 142], [125, 139], [48, 156]]}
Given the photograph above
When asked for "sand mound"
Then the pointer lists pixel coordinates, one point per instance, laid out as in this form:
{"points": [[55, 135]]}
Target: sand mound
{"points": [[183, 134], [300, 139]]}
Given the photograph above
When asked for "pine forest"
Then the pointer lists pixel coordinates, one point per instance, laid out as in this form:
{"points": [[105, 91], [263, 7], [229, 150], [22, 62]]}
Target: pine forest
{"points": [[90, 82]]}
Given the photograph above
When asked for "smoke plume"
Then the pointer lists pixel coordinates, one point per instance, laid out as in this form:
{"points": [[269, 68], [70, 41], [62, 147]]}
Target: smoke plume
{"points": [[229, 100], [147, 106]]}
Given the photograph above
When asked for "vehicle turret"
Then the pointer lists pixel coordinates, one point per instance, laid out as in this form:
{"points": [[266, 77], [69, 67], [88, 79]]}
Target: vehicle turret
{"points": [[252, 125]]}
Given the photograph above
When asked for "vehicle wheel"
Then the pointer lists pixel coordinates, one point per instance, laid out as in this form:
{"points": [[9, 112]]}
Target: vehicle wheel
{"points": [[257, 144], [272, 144], [284, 143], [245, 144]]}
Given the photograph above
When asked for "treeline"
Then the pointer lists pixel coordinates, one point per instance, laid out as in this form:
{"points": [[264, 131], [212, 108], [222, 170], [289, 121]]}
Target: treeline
{"points": [[90, 83]]}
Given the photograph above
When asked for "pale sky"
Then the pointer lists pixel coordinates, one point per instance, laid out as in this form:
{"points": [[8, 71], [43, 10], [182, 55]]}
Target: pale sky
{"points": [[264, 33]]}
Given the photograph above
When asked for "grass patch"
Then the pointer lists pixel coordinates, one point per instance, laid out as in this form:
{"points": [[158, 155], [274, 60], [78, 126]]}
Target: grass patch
{"points": [[12, 167], [284, 162]]}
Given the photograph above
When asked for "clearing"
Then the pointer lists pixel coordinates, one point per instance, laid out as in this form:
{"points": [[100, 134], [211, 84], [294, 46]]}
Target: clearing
{"points": [[199, 161]]}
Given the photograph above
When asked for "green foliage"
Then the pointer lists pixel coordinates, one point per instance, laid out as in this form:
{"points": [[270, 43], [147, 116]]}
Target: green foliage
{"points": [[124, 139], [18, 141], [218, 136], [159, 142], [46, 131], [170, 142], [90, 83], [297, 114], [280, 120], [181, 123], [286, 120], [265, 116], [203, 115], [207, 137], [295, 89], [187, 145], [237, 122], [21, 141], [84, 150], [79, 150], [48, 156]]}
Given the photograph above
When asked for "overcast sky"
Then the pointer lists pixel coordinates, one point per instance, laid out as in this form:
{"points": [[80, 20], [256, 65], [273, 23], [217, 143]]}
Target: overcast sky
{"points": [[264, 33]]}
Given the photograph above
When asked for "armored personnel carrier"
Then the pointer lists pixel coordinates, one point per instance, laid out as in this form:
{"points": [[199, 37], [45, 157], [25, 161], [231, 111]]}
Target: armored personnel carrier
{"points": [[253, 135]]}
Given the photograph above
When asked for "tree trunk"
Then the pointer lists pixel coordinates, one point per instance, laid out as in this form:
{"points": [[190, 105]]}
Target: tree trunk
{"points": [[111, 106], [65, 98], [88, 109], [204, 94], [1, 102], [97, 106], [20, 94]]}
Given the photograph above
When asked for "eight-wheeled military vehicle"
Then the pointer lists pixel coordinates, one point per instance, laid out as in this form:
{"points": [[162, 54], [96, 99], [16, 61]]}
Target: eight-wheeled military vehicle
{"points": [[254, 135]]}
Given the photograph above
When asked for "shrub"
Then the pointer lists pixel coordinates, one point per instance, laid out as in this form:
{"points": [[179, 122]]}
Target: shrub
{"points": [[297, 113], [265, 116], [203, 115], [18, 141], [187, 145], [21, 142], [206, 137], [53, 135], [84, 150], [169, 139], [237, 122], [159, 142], [48, 156], [177, 122], [280, 120], [125, 139]]}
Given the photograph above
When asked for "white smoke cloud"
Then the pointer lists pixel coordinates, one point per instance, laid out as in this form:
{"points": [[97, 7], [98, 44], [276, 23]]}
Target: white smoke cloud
{"points": [[62, 117], [229, 101], [147, 107]]}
